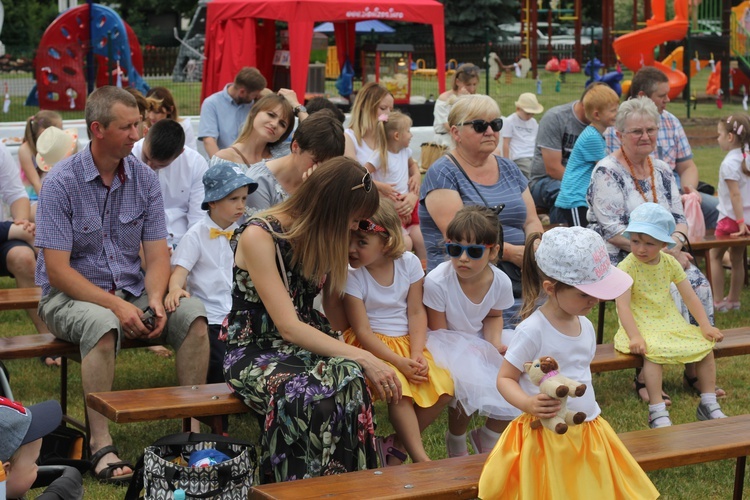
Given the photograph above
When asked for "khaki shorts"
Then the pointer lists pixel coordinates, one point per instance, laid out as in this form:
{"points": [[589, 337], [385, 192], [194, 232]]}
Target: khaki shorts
{"points": [[85, 323]]}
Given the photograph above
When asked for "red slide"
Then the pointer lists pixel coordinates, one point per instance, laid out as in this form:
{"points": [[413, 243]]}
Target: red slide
{"points": [[637, 49]]}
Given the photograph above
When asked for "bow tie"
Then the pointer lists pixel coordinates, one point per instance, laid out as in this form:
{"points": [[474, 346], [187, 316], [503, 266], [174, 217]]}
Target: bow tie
{"points": [[214, 233]]}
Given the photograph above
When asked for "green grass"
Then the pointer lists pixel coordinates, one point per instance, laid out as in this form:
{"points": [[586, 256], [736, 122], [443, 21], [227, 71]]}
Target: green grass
{"points": [[136, 368]]}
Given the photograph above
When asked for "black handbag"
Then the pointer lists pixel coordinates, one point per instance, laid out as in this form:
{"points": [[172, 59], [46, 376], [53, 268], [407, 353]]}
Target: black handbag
{"points": [[510, 269], [160, 472]]}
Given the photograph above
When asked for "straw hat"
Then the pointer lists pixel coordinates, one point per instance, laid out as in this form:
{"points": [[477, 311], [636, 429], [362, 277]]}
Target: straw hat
{"points": [[527, 102], [53, 145]]}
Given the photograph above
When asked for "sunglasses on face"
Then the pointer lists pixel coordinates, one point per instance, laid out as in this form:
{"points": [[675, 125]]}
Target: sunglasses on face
{"points": [[480, 126], [366, 183], [474, 252]]}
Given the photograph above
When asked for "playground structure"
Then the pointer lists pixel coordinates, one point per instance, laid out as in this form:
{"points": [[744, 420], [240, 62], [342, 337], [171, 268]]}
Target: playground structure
{"points": [[704, 29], [59, 69]]}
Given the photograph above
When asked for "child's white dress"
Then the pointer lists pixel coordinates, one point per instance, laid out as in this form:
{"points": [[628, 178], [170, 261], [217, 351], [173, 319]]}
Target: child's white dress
{"points": [[473, 362]]}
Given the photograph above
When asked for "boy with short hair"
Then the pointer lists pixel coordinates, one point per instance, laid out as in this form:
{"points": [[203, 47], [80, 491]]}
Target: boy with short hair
{"points": [[203, 261], [600, 104], [22, 430], [519, 132]]}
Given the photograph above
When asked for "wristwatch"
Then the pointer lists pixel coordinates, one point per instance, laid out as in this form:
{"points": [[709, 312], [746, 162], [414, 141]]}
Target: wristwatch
{"points": [[680, 237], [299, 109]]}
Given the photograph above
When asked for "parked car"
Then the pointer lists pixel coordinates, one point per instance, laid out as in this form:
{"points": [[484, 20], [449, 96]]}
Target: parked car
{"points": [[561, 35]]}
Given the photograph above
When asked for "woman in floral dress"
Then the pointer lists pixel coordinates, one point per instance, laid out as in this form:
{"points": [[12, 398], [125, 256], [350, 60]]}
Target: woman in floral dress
{"points": [[283, 358]]}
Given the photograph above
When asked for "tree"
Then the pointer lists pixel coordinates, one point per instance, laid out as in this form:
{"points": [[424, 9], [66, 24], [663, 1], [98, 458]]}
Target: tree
{"points": [[25, 23], [466, 22]]}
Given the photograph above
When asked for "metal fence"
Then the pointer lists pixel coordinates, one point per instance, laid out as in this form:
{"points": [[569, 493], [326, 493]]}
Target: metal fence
{"points": [[17, 77]]}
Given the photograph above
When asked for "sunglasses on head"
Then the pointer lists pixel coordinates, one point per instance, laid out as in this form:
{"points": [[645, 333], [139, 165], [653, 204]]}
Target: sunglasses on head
{"points": [[480, 126], [474, 252], [366, 183], [368, 226]]}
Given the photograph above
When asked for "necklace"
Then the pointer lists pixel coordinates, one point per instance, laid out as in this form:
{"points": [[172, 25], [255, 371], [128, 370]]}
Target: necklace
{"points": [[635, 181]]}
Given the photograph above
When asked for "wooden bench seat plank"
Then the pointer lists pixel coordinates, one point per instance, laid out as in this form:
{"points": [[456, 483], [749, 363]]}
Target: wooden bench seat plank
{"points": [[685, 444], [163, 403], [691, 443], [736, 343], [19, 298], [31, 346]]}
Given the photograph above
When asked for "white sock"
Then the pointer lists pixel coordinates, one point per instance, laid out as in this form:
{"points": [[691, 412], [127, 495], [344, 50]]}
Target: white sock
{"points": [[456, 444], [489, 437], [658, 407]]}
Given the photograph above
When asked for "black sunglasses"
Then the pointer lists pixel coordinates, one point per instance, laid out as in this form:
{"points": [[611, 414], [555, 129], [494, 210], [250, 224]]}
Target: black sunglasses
{"points": [[474, 252], [366, 183], [480, 126]]}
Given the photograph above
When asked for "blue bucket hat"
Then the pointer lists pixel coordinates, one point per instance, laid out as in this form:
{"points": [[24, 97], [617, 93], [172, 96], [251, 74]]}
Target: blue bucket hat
{"points": [[653, 220], [223, 178]]}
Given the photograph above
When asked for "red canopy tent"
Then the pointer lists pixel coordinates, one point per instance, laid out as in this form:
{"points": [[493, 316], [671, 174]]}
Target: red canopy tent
{"points": [[242, 33]]}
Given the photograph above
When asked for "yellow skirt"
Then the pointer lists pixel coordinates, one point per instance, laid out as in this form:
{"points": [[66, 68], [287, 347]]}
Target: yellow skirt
{"points": [[424, 395], [589, 461]]}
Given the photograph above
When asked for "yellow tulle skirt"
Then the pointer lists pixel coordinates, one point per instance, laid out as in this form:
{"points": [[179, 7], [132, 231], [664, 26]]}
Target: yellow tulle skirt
{"points": [[424, 395], [589, 461]]}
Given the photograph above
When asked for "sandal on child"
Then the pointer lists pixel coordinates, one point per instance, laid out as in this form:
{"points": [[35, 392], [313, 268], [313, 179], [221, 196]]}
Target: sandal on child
{"points": [[384, 447], [691, 384], [725, 305], [656, 419], [106, 474], [641, 386]]}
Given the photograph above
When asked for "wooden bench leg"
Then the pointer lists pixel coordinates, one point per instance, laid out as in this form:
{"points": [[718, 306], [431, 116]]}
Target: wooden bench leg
{"points": [[739, 478], [600, 323]]}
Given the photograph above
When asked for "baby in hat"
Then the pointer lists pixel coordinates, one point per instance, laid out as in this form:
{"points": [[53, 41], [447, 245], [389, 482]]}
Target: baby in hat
{"points": [[519, 132], [650, 323], [22, 430], [202, 263]]}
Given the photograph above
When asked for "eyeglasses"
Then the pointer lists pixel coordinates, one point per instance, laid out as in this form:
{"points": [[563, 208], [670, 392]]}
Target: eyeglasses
{"points": [[366, 183], [368, 226], [638, 132], [480, 126], [474, 252]]}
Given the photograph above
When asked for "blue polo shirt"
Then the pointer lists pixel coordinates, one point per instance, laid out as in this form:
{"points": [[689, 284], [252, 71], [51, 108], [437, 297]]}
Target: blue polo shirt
{"points": [[222, 118]]}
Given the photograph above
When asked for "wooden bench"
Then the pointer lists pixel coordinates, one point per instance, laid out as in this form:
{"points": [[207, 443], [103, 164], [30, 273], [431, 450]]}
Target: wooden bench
{"points": [[47, 345], [19, 298], [701, 249], [206, 402], [454, 478]]}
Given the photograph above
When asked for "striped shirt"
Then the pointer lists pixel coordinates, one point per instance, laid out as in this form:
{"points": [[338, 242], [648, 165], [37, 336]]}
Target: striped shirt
{"points": [[672, 146], [444, 174], [101, 227]]}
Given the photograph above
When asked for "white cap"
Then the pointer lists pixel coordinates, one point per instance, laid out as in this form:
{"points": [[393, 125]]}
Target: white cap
{"points": [[578, 257]]}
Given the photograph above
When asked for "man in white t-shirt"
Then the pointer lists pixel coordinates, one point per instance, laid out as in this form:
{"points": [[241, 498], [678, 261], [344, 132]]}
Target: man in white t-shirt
{"points": [[180, 172]]}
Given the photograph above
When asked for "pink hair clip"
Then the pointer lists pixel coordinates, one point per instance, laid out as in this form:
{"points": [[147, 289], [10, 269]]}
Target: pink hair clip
{"points": [[729, 120], [383, 117], [739, 130]]}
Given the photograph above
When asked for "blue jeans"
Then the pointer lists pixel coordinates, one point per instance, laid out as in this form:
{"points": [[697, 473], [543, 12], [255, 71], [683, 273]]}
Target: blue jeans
{"points": [[544, 192]]}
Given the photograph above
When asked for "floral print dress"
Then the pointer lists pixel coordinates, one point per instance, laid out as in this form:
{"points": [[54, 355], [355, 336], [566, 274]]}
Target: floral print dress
{"points": [[318, 411]]}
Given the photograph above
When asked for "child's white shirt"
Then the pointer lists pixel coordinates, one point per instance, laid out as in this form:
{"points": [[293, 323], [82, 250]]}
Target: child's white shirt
{"points": [[731, 169], [522, 136], [209, 263], [386, 306], [398, 171], [443, 293], [535, 337]]}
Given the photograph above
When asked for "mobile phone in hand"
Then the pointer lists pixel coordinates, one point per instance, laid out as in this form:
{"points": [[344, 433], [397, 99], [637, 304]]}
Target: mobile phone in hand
{"points": [[148, 318]]}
